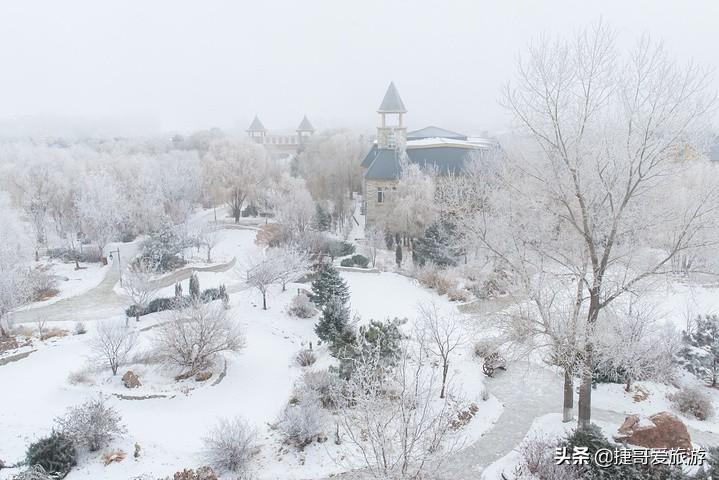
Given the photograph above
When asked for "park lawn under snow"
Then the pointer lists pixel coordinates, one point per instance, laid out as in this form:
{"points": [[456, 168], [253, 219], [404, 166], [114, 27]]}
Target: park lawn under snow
{"points": [[70, 282], [257, 386]]}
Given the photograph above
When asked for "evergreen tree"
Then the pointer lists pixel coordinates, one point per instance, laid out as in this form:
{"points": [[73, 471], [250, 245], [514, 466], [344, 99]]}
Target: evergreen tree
{"points": [[377, 344], [700, 354], [55, 453], [194, 286], [322, 220], [398, 255], [334, 321], [329, 283], [178, 290], [437, 245]]}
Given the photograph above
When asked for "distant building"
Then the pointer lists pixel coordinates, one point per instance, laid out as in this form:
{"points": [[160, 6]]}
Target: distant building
{"points": [[431, 147], [278, 141]]}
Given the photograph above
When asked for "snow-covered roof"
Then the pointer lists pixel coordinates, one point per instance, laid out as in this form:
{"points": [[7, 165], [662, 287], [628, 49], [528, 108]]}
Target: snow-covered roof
{"points": [[392, 102], [256, 125], [432, 131], [450, 142], [305, 125]]}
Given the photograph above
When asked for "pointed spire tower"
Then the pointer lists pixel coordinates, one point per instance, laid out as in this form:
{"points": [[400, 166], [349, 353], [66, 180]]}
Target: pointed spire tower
{"points": [[257, 130], [391, 132], [305, 130]]}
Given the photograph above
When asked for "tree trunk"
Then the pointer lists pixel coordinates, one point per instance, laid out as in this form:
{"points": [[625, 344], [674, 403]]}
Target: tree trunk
{"points": [[585, 389], [445, 369], [568, 409], [137, 317], [264, 301]]}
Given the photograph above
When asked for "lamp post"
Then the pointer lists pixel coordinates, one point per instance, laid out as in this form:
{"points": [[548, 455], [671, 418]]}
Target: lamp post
{"points": [[119, 265]]}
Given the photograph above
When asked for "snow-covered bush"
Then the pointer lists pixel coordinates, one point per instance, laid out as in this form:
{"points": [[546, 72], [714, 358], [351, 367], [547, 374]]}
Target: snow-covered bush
{"points": [[302, 307], [305, 358], [700, 353], [692, 401], [537, 456], [163, 248], [485, 347], [321, 382], [112, 343], [431, 277], [437, 245], [196, 335], [303, 419], [230, 445], [93, 424], [55, 454], [80, 328], [457, 294], [36, 472], [202, 473], [43, 285], [355, 261]]}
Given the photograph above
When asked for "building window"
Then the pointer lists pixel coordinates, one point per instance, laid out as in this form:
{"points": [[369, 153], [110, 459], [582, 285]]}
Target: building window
{"points": [[391, 140], [380, 194]]}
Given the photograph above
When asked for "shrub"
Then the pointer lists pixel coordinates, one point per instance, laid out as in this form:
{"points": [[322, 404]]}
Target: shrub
{"points": [[538, 459], [80, 328], [431, 277], [93, 424], [355, 261], [230, 445], [202, 473], [458, 294], [303, 419], [302, 307], [162, 248], [485, 347], [346, 262], [35, 472], [692, 401], [87, 255], [336, 248], [56, 454], [305, 358], [321, 382], [212, 294], [43, 285], [163, 304]]}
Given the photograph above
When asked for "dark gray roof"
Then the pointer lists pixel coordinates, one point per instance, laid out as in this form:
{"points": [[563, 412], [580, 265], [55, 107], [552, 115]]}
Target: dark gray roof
{"points": [[256, 125], [305, 125], [432, 132], [392, 102], [383, 164]]}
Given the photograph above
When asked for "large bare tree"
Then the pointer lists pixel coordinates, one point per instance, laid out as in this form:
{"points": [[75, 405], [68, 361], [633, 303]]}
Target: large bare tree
{"points": [[606, 138]]}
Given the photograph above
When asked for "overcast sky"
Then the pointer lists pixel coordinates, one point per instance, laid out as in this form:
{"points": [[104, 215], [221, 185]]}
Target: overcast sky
{"points": [[180, 65]]}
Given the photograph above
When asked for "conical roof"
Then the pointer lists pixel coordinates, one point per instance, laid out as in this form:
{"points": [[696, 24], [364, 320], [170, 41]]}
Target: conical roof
{"points": [[305, 125], [392, 102], [256, 125]]}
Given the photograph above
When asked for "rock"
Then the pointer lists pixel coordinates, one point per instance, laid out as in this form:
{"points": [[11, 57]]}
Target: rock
{"points": [[2, 464], [203, 376], [130, 380], [661, 430]]}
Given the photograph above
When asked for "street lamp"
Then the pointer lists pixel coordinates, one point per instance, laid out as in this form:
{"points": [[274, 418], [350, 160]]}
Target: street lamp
{"points": [[119, 265]]}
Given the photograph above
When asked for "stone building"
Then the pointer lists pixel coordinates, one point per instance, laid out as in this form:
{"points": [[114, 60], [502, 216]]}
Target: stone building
{"points": [[280, 142], [432, 147]]}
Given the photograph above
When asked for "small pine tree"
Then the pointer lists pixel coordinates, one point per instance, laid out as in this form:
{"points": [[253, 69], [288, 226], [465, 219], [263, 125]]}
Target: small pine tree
{"points": [[334, 321], [223, 295], [398, 255], [329, 283], [178, 290], [436, 246], [322, 220], [700, 354], [55, 453], [378, 342], [194, 286]]}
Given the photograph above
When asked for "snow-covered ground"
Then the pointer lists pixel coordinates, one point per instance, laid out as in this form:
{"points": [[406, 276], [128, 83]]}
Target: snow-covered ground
{"points": [[68, 281], [257, 384]]}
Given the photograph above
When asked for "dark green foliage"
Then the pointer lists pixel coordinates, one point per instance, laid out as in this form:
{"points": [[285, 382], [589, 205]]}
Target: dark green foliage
{"points": [[437, 246], [322, 220], [328, 284], [335, 248], [398, 255], [55, 453], [593, 439], [334, 321], [163, 248], [87, 255], [194, 286], [389, 239], [162, 304], [178, 289], [250, 211], [377, 344], [355, 261], [700, 353]]}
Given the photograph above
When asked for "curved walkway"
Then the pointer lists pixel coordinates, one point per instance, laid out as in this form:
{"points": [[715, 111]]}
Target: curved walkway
{"points": [[102, 301]]}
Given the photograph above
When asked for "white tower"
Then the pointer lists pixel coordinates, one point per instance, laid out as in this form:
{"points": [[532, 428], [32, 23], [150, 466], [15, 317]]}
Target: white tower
{"points": [[391, 132]]}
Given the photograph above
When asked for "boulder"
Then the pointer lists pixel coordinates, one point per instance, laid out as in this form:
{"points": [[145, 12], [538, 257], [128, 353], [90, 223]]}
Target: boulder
{"points": [[130, 380], [203, 376], [661, 430]]}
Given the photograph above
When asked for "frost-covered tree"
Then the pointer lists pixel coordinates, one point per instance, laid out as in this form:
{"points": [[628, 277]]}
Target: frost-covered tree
{"points": [[196, 335], [209, 236], [16, 282], [700, 352], [101, 208], [438, 245], [328, 284], [293, 207], [112, 343], [292, 263], [262, 273], [139, 283], [412, 204], [375, 240], [441, 335], [604, 134], [93, 424], [237, 167]]}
